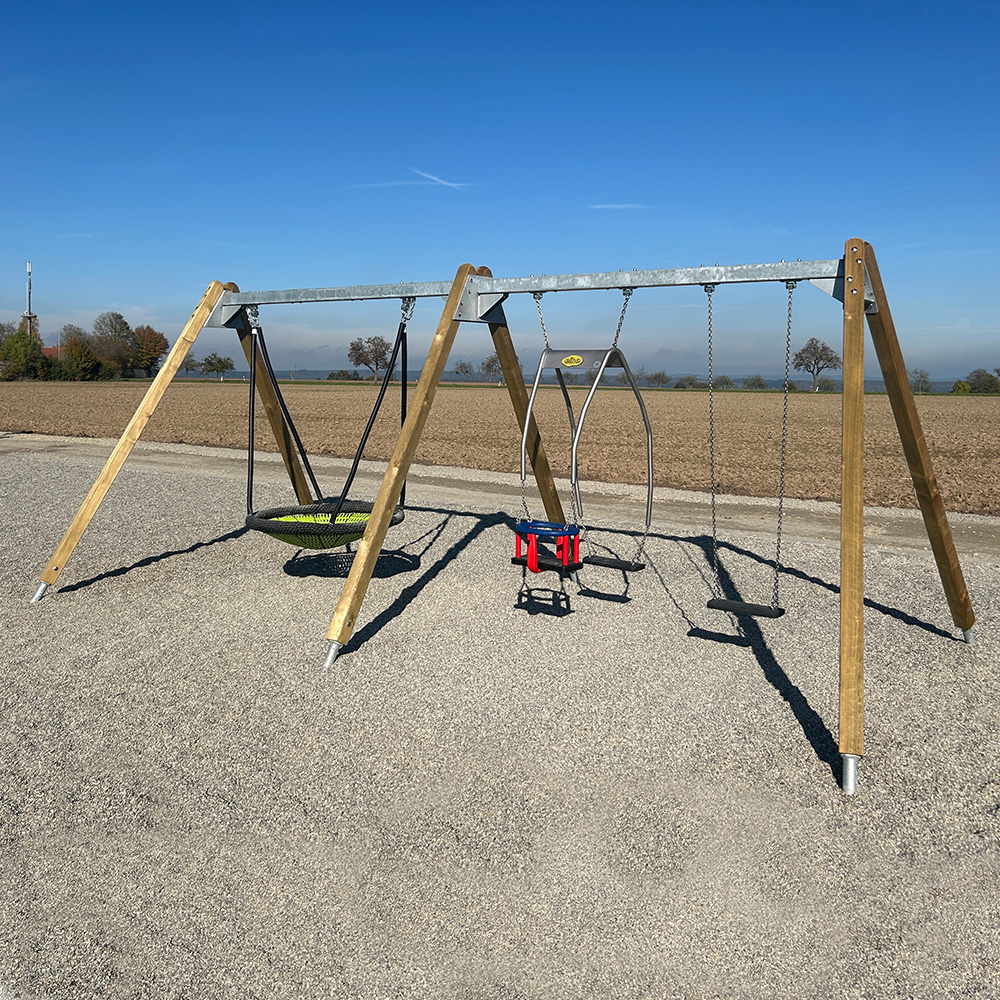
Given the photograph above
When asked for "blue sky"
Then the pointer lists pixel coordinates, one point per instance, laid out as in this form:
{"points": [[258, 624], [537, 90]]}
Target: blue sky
{"points": [[151, 149]]}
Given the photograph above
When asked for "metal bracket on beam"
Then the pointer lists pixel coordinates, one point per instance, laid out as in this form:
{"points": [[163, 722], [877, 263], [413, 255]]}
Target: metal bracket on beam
{"points": [[834, 287], [226, 315], [477, 307]]}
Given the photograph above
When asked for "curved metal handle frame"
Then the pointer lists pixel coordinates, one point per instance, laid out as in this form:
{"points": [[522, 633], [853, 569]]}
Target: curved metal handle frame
{"points": [[613, 358]]}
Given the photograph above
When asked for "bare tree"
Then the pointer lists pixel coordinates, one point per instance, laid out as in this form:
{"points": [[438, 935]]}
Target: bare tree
{"points": [[920, 379], [371, 353], [464, 370], [490, 366], [817, 356]]}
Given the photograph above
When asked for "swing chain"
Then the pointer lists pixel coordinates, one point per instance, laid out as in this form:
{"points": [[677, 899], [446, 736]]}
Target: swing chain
{"points": [[537, 296], [407, 304], [253, 315], [790, 285], [717, 584], [627, 292]]}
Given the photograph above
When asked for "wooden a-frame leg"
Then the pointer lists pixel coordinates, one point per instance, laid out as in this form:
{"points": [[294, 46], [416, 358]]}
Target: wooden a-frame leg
{"points": [[918, 457], [282, 435], [852, 632], [511, 369], [356, 585], [129, 437]]}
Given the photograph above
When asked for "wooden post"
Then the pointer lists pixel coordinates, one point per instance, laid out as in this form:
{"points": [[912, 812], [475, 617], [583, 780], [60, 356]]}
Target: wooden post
{"points": [[282, 435], [356, 585], [918, 458], [852, 635], [128, 439], [511, 368]]}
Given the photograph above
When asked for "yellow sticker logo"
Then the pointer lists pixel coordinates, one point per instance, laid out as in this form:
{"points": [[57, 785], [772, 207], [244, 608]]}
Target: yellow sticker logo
{"points": [[572, 360]]}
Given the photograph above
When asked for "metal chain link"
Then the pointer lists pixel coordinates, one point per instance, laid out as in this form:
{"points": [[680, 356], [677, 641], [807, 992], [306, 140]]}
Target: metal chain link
{"points": [[407, 305], [790, 285], [627, 292], [524, 499], [716, 583], [537, 296]]}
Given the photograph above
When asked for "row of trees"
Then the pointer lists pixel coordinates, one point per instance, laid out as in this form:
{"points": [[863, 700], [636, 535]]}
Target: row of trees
{"points": [[110, 350], [978, 380]]}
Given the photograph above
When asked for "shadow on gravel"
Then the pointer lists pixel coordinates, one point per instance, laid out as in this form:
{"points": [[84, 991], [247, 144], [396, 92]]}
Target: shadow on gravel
{"points": [[481, 523], [543, 601], [390, 563], [833, 588], [750, 635], [337, 565], [151, 560]]}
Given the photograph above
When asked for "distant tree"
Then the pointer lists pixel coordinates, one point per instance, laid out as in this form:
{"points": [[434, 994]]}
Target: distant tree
{"points": [[658, 379], [6, 329], [21, 356], [371, 353], [794, 386], [78, 358], [214, 365], [690, 382], [571, 378], [980, 380], [590, 374], [114, 344], [824, 385], [464, 370], [190, 364], [150, 346], [490, 366], [344, 375], [724, 382], [817, 356], [920, 380], [755, 382], [961, 388]]}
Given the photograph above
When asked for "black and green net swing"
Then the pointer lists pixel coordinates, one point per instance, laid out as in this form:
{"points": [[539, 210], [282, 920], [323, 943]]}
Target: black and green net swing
{"points": [[331, 521]]}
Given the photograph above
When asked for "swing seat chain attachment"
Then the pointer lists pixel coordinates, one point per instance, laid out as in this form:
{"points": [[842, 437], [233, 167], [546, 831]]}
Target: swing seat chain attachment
{"points": [[718, 602]]}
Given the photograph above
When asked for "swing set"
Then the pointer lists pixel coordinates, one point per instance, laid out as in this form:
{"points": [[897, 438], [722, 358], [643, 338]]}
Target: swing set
{"points": [[476, 296]]}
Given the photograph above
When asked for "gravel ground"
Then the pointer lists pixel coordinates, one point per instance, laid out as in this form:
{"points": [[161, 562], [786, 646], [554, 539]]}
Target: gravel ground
{"points": [[616, 793]]}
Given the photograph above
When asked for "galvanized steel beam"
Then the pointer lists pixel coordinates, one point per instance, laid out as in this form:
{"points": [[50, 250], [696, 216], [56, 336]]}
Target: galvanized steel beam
{"points": [[483, 294]]}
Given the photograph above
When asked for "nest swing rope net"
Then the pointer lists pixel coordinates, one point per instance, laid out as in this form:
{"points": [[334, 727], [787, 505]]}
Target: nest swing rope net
{"points": [[330, 522]]}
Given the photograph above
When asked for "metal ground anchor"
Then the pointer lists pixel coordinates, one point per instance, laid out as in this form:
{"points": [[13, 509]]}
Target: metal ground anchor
{"points": [[969, 636], [849, 772], [332, 652], [39, 594]]}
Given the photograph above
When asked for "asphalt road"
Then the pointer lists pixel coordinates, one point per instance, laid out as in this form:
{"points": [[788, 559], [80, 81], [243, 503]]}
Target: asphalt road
{"points": [[605, 792]]}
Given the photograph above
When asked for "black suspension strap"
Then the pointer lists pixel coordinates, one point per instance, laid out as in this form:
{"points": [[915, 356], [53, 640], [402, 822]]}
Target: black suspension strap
{"points": [[259, 347], [406, 312]]}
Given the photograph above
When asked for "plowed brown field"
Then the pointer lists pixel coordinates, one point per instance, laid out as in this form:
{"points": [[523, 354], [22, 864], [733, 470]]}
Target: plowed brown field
{"points": [[474, 427]]}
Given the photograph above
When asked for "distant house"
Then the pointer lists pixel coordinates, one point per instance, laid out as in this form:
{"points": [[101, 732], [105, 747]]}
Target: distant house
{"points": [[52, 353]]}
